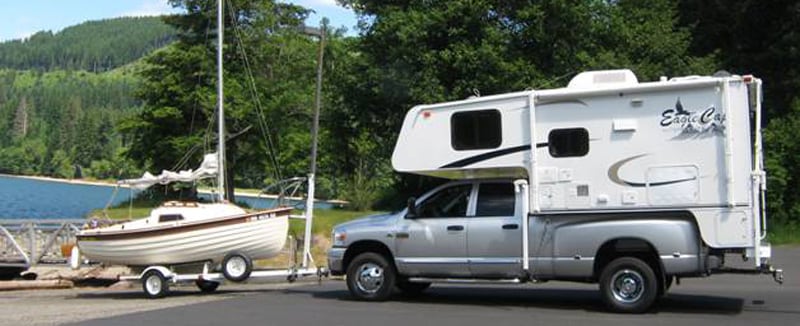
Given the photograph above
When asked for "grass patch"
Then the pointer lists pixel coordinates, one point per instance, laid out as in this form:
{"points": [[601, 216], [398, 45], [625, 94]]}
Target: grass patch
{"points": [[324, 220], [788, 233]]}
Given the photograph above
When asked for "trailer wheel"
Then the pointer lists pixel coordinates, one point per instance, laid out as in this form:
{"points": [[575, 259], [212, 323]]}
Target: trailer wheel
{"points": [[628, 285], [237, 266], [155, 284], [370, 277], [206, 286]]}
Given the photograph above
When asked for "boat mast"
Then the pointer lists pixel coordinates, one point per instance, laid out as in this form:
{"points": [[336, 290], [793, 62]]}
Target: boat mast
{"points": [[220, 100]]}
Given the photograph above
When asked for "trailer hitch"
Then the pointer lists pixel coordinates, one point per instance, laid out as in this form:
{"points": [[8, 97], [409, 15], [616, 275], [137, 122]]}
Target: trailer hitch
{"points": [[777, 274]]}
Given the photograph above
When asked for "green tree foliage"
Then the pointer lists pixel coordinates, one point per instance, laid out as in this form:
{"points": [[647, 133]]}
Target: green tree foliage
{"points": [[417, 51], [265, 63], [92, 46], [751, 37], [760, 38]]}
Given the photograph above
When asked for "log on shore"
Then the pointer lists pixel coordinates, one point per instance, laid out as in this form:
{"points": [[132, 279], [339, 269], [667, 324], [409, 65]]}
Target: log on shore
{"points": [[30, 285]]}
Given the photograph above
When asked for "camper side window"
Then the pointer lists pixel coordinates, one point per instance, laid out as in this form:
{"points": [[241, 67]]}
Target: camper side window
{"points": [[568, 142], [475, 130]]}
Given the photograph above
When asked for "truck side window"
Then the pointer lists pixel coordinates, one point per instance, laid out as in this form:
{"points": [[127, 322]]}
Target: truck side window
{"points": [[568, 142], [495, 199], [448, 202], [475, 130]]}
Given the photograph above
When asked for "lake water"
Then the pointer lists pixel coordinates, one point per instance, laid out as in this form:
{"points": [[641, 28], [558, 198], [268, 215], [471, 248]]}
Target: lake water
{"points": [[29, 198], [22, 198]]}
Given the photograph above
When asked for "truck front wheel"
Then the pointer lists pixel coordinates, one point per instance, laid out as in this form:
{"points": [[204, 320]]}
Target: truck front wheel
{"points": [[629, 285], [371, 277]]}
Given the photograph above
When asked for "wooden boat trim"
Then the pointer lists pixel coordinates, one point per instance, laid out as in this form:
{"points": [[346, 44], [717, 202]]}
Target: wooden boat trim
{"points": [[184, 227]]}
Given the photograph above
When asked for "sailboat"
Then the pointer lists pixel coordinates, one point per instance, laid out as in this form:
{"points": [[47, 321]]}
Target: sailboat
{"points": [[188, 232]]}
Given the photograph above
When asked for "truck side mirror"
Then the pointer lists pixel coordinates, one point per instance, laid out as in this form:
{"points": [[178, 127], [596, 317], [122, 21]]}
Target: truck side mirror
{"points": [[412, 208]]}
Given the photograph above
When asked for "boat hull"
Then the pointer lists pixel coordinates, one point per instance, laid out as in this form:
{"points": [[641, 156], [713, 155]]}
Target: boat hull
{"points": [[258, 235]]}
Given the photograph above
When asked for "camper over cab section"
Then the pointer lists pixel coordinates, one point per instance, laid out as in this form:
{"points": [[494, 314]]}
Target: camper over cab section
{"points": [[610, 180]]}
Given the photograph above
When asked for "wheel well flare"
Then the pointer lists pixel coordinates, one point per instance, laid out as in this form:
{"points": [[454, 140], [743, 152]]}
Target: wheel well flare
{"points": [[360, 247]]}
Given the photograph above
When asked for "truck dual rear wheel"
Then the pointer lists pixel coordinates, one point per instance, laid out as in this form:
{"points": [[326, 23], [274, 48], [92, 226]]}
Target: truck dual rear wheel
{"points": [[628, 284], [371, 277]]}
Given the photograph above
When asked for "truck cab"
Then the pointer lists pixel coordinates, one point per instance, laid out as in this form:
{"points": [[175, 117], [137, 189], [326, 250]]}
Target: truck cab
{"points": [[462, 229]]}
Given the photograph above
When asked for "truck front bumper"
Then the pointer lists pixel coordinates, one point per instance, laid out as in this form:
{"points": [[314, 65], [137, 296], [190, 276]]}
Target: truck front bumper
{"points": [[336, 261]]}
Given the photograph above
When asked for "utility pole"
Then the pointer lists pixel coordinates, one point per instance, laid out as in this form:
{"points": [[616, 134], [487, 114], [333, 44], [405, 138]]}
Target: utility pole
{"points": [[319, 32], [220, 107]]}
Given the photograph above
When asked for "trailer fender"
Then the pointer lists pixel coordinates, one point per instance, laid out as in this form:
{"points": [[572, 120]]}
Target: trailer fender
{"points": [[164, 271]]}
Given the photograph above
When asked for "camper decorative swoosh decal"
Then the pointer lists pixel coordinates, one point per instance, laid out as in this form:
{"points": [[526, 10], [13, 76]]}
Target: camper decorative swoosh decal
{"points": [[490, 155], [613, 175]]}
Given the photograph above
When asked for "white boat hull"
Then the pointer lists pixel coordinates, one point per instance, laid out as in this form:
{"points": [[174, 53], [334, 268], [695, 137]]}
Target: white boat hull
{"points": [[259, 235]]}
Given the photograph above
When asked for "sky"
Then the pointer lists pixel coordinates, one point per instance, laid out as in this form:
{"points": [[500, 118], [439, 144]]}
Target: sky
{"points": [[22, 18]]}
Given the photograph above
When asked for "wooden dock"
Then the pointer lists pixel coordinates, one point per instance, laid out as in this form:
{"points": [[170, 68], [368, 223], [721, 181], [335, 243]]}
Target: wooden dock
{"points": [[29, 242]]}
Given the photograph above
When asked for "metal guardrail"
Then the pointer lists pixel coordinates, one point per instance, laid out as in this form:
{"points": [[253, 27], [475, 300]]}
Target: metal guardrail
{"points": [[28, 242]]}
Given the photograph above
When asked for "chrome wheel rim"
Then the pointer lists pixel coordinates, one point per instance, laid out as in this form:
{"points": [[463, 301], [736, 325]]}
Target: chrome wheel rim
{"points": [[627, 286], [236, 266], [369, 278], [153, 284]]}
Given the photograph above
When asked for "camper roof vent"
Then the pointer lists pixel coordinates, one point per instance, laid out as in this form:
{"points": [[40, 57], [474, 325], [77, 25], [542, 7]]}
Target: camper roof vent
{"points": [[603, 79]]}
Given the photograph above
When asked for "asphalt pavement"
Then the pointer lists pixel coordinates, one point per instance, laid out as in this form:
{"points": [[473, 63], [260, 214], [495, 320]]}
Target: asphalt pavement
{"points": [[717, 300]]}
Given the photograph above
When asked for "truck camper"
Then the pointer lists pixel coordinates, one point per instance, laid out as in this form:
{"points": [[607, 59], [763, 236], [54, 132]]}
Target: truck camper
{"points": [[626, 184]]}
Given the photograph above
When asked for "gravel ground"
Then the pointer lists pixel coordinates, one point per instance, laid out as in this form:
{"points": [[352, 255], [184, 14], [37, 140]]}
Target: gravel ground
{"points": [[53, 307]]}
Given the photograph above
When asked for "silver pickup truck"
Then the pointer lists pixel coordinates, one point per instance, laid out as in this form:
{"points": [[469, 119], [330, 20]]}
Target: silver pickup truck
{"points": [[471, 231], [608, 180]]}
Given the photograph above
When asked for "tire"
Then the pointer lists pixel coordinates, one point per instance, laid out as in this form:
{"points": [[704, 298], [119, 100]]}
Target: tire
{"points": [[154, 284], [236, 267], [412, 288], [370, 277], [206, 286], [628, 285]]}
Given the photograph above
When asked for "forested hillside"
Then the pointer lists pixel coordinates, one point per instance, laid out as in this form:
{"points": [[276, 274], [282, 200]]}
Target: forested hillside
{"points": [[94, 46], [54, 122], [62, 95]]}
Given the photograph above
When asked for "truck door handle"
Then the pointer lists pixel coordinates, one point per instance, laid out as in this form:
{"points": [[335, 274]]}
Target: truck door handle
{"points": [[455, 228], [510, 226]]}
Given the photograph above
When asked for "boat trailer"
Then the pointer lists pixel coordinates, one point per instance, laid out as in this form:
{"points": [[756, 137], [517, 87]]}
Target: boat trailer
{"points": [[235, 267]]}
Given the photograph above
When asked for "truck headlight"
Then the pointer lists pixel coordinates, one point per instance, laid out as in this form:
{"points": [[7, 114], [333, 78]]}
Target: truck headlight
{"points": [[339, 238]]}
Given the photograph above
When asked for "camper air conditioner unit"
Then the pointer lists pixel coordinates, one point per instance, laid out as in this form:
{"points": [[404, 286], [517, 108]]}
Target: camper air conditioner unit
{"points": [[603, 79]]}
